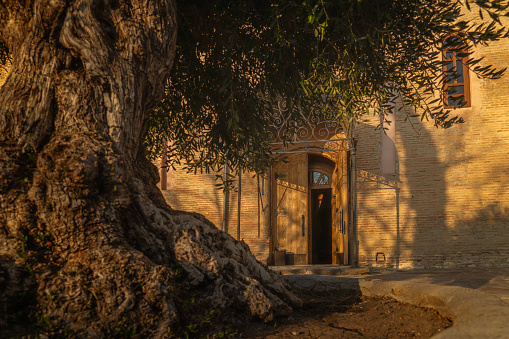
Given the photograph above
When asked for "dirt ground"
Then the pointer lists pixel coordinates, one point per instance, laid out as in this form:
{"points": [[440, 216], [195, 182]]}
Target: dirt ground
{"points": [[343, 314], [330, 315]]}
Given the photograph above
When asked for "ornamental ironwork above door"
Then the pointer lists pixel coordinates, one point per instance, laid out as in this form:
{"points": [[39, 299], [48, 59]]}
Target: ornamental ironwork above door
{"points": [[312, 133]]}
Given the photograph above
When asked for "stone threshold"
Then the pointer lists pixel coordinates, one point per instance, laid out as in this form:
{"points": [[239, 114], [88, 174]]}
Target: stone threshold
{"points": [[323, 270]]}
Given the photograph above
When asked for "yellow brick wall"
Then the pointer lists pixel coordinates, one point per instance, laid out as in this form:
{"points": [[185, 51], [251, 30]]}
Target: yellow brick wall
{"points": [[198, 193], [449, 204]]}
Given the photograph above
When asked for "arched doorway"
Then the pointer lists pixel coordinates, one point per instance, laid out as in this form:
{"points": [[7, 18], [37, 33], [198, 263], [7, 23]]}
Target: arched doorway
{"points": [[320, 209]]}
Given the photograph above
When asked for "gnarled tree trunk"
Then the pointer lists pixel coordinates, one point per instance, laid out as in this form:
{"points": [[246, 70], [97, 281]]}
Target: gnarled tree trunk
{"points": [[82, 222]]}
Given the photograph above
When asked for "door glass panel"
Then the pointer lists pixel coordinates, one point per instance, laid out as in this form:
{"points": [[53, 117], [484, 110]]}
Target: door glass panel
{"points": [[324, 180], [316, 177], [459, 70], [459, 90]]}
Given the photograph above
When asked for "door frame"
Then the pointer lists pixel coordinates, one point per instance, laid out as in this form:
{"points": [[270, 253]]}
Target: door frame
{"points": [[324, 165], [338, 171]]}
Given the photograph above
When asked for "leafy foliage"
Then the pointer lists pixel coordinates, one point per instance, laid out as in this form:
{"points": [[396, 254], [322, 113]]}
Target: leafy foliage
{"points": [[236, 59], [348, 57], [231, 67], [369, 53]]}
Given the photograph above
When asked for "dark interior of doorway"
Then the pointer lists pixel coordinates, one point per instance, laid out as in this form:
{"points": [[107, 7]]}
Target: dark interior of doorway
{"points": [[321, 226]]}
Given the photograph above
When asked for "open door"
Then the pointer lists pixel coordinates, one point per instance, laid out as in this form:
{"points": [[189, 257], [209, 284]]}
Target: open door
{"points": [[340, 215], [321, 209], [290, 198], [321, 225]]}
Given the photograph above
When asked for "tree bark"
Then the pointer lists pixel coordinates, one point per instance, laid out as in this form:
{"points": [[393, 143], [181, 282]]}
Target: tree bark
{"points": [[82, 223]]}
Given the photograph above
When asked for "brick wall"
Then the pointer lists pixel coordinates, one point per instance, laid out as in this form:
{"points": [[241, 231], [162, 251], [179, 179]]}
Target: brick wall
{"points": [[448, 204], [198, 193], [445, 205]]}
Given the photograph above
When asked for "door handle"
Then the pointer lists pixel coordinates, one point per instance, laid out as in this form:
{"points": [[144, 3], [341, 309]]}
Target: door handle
{"points": [[303, 225]]}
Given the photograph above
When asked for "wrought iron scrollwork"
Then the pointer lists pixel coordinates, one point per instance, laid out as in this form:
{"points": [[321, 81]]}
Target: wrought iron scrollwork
{"points": [[311, 133]]}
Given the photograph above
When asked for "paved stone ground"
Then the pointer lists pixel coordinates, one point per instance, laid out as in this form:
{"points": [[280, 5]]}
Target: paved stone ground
{"points": [[477, 299], [494, 281]]}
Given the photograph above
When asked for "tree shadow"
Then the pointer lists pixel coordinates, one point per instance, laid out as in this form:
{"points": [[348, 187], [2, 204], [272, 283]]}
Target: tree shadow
{"points": [[465, 237], [440, 209], [401, 216]]}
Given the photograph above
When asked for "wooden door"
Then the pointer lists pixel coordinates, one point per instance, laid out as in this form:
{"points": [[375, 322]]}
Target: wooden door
{"points": [[290, 197], [340, 215], [337, 243], [337, 247]]}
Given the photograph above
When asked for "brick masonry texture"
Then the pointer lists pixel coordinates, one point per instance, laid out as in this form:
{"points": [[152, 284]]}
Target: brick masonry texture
{"points": [[448, 205], [198, 193]]}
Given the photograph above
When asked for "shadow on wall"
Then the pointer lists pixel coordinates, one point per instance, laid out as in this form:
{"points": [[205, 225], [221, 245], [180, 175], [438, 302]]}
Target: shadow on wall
{"points": [[424, 235], [195, 193], [481, 240], [432, 213], [401, 216], [471, 236]]}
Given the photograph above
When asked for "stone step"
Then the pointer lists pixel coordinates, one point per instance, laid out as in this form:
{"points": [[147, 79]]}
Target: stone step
{"points": [[320, 270]]}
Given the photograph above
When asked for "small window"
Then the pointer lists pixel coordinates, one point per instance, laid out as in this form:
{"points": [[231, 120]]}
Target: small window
{"points": [[457, 85]]}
